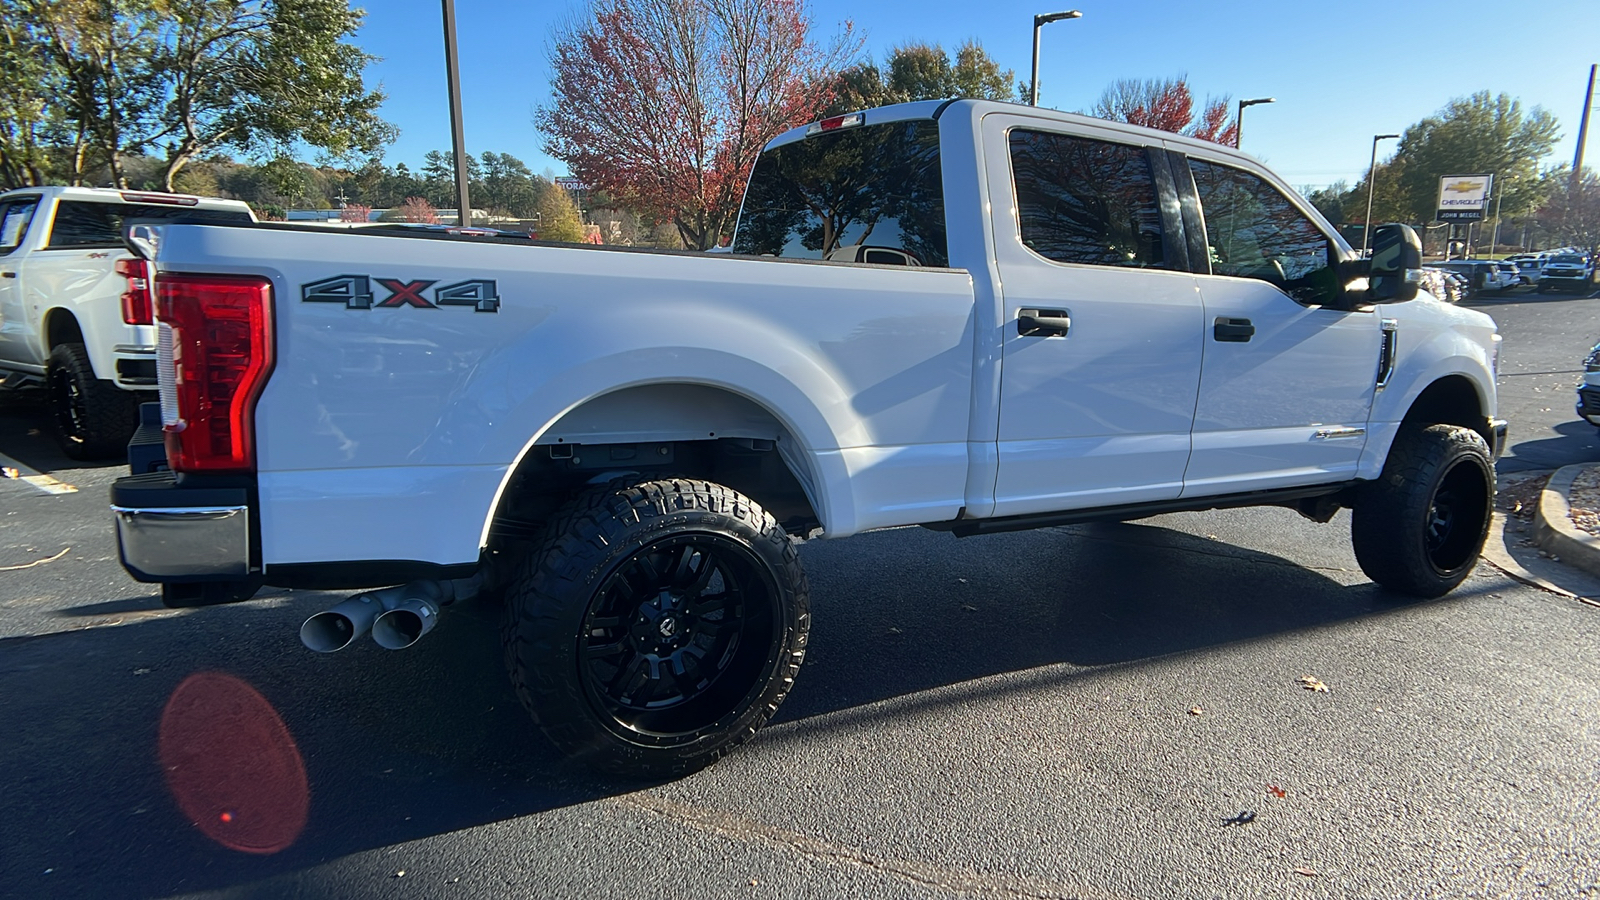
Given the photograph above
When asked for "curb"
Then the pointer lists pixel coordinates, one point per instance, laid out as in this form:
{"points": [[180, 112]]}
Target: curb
{"points": [[1553, 528]]}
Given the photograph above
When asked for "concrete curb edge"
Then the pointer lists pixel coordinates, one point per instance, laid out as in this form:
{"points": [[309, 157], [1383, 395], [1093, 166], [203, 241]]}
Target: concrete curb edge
{"points": [[1553, 529]]}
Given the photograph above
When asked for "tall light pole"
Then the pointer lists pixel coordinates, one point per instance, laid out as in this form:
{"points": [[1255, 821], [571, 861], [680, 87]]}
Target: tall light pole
{"points": [[1238, 119], [1039, 22], [452, 66], [1372, 178]]}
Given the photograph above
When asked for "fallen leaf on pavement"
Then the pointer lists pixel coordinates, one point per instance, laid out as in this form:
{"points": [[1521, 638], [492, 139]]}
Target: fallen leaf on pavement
{"points": [[1312, 683], [1307, 871], [9, 472], [893, 630], [1195, 710], [1276, 791]]}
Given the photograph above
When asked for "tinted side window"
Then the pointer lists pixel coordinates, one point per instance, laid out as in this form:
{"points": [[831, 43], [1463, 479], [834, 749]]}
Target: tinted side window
{"points": [[841, 194], [82, 223], [1086, 201], [14, 218], [1255, 232]]}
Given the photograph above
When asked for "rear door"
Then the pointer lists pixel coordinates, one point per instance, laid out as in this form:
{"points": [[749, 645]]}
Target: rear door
{"points": [[1288, 381], [1102, 325]]}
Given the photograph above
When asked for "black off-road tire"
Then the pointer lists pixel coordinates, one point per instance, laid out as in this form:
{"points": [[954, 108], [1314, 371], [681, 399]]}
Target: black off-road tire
{"points": [[1419, 528], [632, 582], [94, 418]]}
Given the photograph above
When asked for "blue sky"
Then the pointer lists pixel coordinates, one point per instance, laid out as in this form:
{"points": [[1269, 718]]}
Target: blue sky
{"points": [[1341, 72]]}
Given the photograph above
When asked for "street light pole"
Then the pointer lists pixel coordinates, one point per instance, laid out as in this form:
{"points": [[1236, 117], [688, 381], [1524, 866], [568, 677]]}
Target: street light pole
{"points": [[1238, 119], [452, 65], [1372, 178], [1040, 22]]}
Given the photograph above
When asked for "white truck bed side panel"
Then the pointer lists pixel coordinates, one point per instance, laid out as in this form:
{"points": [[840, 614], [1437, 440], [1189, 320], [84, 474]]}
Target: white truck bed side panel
{"points": [[847, 358]]}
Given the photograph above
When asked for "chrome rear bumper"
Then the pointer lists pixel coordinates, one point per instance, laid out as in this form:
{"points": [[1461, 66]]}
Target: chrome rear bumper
{"points": [[184, 543]]}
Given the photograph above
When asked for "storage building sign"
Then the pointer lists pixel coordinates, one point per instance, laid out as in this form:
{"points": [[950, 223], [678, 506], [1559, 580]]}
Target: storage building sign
{"points": [[1463, 198]]}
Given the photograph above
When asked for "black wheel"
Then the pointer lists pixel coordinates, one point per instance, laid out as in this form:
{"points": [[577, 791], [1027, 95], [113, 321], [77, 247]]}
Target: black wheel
{"points": [[657, 626], [1419, 528], [94, 418]]}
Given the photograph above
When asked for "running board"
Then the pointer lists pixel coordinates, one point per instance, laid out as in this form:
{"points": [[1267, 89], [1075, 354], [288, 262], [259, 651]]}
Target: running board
{"points": [[1290, 497]]}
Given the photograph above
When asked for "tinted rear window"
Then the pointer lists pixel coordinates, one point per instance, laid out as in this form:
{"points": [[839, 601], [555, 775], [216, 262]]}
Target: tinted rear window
{"points": [[842, 194], [86, 223]]}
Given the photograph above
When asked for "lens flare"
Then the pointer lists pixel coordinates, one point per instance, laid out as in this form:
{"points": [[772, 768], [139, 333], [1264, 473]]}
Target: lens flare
{"points": [[232, 765]]}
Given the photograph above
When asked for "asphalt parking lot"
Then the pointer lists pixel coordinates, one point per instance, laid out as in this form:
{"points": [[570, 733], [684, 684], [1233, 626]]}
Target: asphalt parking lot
{"points": [[1096, 711]]}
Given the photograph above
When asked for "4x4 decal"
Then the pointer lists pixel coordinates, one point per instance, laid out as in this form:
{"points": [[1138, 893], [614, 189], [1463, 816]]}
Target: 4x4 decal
{"points": [[355, 292]]}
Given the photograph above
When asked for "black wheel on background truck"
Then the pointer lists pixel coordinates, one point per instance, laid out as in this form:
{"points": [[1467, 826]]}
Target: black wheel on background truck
{"points": [[657, 625], [1419, 528], [94, 418]]}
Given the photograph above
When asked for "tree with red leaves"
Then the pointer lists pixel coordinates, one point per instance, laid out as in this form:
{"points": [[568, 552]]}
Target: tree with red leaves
{"points": [[665, 104], [1167, 104], [418, 209]]}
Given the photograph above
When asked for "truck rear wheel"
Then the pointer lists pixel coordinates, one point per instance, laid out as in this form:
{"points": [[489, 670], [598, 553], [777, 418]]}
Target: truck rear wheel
{"points": [[1419, 528], [658, 625], [94, 418]]}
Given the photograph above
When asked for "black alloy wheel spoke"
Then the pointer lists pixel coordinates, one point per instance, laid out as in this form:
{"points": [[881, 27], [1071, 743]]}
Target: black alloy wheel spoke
{"points": [[705, 604]]}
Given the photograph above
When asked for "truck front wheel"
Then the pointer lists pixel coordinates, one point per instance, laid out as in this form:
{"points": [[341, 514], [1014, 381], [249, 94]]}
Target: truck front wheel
{"points": [[1419, 528], [658, 625], [94, 418]]}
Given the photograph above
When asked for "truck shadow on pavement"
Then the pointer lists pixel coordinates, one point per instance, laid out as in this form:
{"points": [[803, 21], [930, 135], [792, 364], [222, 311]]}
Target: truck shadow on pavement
{"points": [[1579, 442], [407, 745], [28, 436]]}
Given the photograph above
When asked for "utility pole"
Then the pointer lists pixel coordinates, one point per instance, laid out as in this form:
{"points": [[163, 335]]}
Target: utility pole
{"points": [[1372, 178], [452, 65], [1583, 133]]}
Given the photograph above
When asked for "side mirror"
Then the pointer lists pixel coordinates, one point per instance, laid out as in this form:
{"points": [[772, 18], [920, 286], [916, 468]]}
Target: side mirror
{"points": [[1396, 264]]}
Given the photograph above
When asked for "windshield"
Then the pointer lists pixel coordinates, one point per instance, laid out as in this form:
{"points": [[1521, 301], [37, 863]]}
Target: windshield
{"points": [[866, 194]]}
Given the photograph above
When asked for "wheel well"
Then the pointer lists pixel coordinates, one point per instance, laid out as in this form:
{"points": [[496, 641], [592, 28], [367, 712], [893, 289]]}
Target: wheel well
{"points": [[683, 431], [61, 327], [1451, 400]]}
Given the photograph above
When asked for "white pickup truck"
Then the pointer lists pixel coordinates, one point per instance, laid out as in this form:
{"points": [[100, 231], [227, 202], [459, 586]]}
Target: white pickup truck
{"points": [[74, 304], [1088, 321]]}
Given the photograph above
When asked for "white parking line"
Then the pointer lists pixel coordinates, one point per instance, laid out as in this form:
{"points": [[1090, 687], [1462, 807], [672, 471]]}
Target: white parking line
{"points": [[10, 468]]}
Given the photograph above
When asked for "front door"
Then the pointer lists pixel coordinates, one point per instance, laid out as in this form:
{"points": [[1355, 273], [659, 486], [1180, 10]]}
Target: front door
{"points": [[1287, 381], [15, 334], [1101, 350]]}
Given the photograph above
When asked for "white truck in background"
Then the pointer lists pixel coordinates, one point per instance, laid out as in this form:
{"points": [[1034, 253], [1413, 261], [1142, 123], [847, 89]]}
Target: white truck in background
{"points": [[1081, 320], [75, 304]]}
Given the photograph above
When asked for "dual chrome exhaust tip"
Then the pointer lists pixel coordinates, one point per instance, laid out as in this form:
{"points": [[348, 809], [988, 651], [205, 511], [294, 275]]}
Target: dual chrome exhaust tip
{"points": [[396, 617]]}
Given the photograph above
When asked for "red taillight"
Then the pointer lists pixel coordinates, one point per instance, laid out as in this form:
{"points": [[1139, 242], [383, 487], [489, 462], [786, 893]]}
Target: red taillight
{"points": [[136, 301], [221, 340], [835, 123], [168, 199]]}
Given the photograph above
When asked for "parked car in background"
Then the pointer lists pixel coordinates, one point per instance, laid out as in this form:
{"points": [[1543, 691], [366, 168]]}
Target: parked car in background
{"points": [[75, 305], [1589, 388], [1481, 274], [1567, 272], [1528, 268], [1510, 275]]}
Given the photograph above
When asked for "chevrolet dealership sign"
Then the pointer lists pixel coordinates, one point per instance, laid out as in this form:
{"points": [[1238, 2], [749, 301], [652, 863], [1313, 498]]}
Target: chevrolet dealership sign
{"points": [[1464, 198]]}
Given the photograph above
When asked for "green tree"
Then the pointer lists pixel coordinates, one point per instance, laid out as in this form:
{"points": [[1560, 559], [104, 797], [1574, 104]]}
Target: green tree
{"points": [[1572, 217], [558, 217], [1475, 135], [26, 88], [263, 76], [182, 77], [923, 72]]}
